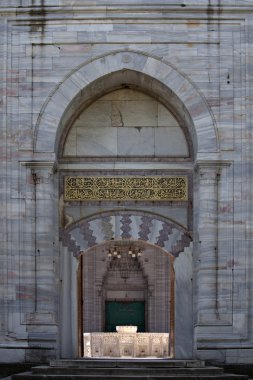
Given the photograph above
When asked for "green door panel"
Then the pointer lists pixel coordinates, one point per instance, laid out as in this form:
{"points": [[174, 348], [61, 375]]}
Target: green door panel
{"points": [[124, 314]]}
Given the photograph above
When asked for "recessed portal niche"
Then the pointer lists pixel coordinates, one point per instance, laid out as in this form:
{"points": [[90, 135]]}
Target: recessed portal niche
{"points": [[129, 133], [146, 291]]}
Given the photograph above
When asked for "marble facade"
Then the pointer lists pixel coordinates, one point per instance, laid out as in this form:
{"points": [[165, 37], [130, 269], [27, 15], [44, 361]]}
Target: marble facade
{"points": [[137, 88]]}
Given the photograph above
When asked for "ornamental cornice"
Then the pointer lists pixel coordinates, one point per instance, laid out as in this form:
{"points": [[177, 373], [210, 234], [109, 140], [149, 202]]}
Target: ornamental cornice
{"points": [[104, 9], [212, 164]]}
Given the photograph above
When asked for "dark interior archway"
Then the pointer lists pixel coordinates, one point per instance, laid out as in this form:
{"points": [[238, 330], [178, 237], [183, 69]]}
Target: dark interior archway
{"points": [[133, 288]]}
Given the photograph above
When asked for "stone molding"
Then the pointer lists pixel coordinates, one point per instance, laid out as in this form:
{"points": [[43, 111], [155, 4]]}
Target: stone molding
{"points": [[194, 6]]}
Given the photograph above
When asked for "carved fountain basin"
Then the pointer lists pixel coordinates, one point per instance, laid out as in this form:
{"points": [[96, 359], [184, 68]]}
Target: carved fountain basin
{"points": [[126, 329]]}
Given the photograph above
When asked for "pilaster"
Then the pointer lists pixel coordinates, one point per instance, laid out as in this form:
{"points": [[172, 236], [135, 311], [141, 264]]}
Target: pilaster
{"points": [[41, 221], [209, 175]]}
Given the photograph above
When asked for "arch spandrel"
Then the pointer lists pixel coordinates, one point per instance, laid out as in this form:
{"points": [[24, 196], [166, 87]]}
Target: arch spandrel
{"points": [[155, 76]]}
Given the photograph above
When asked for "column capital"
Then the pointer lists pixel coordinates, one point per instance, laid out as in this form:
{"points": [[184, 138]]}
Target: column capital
{"points": [[210, 169], [40, 165], [40, 170]]}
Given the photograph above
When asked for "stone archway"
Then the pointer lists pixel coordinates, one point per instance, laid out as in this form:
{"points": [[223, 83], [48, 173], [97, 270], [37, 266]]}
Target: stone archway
{"points": [[172, 89], [153, 75], [132, 289], [160, 233]]}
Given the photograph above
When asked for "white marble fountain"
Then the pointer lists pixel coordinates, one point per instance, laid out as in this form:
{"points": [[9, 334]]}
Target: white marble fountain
{"points": [[126, 342]]}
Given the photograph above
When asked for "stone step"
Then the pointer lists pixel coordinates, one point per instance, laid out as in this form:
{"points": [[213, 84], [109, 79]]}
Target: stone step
{"points": [[147, 371], [104, 363], [127, 369], [27, 376]]}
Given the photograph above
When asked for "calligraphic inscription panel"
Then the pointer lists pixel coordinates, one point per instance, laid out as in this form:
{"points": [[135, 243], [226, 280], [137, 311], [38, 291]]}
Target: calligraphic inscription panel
{"points": [[166, 188]]}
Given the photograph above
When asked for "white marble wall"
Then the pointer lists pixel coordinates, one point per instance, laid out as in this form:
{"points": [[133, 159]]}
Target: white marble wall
{"points": [[126, 123], [57, 55]]}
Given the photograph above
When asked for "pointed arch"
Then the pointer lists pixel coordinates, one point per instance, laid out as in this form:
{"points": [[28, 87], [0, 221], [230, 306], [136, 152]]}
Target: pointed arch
{"points": [[103, 74]]}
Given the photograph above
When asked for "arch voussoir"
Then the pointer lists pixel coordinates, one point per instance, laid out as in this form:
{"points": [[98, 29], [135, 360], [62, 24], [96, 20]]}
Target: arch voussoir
{"points": [[125, 225], [74, 86]]}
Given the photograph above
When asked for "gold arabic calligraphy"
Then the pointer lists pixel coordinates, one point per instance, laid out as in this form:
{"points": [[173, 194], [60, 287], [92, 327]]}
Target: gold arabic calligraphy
{"points": [[173, 188]]}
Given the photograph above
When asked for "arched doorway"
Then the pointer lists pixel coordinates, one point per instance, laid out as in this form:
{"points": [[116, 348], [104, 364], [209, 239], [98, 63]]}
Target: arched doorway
{"points": [[167, 250], [132, 70], [125, 134], [126, 282]]}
